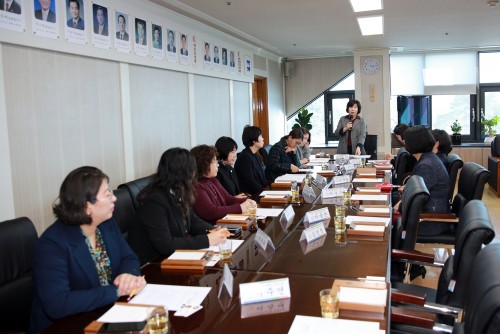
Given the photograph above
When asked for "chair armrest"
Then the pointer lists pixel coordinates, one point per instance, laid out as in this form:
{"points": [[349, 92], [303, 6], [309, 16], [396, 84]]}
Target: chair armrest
{"points": [[438, 217], [412, 317], [399, 254], [408, 297]]}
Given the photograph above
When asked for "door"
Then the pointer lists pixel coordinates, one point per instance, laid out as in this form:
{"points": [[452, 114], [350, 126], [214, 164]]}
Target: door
{"points": [[335, 106], [259, 107]]}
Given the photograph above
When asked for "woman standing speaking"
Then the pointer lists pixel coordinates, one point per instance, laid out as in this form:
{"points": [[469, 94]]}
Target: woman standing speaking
{"points": [[351, 130]]}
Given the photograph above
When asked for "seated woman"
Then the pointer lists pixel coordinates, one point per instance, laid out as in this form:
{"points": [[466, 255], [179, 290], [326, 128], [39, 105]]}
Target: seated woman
{"points": [[212, 201], [443, 144], [397, 137], [226, 152], [351, 130], [82, 261], [282, 158], [304, 150], [419, 142], [165, 220], [249, 166]]}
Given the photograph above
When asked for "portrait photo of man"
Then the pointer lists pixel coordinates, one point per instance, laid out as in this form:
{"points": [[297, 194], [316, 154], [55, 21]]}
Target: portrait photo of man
{"points": [[171, 41], [231, 59], [44, 10], [224, 56], [184, 48], [207, 52], [122, 33], [11, 6], [100, 20], [140, 32], [156, 36], [75, 21], [216, 54]]}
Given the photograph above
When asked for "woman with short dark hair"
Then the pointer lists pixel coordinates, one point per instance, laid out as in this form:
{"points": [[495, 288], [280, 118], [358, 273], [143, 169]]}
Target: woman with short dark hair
{"points": [[304, 150], [249, 165], [165, 220], [351, 130], [443, 144], [82, 261], [213, 202], [226, 153], [283, 157]]}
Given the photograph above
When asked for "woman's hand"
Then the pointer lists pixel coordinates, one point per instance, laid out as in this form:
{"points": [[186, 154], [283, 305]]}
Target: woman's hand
{"points": [[388, 156], [242, 195], [289, 149], [249, 203], [294, 168], [304, 161], [126, 283], [348, 127], [217, 236], [395, 208], [358, 150]]}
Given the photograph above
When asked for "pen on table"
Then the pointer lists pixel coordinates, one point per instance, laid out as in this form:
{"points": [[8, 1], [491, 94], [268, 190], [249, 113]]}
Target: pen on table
{"points": [[132, 294]]}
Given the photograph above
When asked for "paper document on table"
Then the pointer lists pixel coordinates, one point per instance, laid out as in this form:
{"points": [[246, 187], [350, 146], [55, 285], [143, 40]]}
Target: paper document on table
{"points": [[291, 177], [236, 217], [187, 256], [126, 313], [266, 212], [357, 197], [316, 325], [276, 192], [365, 219], [319, 160], [367, 180], [171, 296], [376, 210], [234, 244]]}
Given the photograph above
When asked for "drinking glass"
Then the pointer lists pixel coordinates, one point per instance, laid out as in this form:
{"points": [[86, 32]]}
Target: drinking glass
{"points": [[329, 304]]}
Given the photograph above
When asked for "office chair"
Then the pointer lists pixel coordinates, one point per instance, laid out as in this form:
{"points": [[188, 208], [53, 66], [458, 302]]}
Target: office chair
{"points": [[453, 163], [134, 187], [124, 213], [474, 231], [17, 246]]}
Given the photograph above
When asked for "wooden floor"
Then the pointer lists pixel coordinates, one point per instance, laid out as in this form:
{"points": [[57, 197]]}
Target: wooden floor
{"points": [[432, 276]]}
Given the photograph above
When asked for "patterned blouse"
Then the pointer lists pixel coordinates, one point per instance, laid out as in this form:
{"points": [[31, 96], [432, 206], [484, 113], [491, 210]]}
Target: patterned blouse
{"points": [[100, 257]]}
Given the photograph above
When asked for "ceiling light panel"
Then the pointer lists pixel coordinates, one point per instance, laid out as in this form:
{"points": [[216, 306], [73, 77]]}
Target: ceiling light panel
{"points": [[371, 25], [365, 5]]}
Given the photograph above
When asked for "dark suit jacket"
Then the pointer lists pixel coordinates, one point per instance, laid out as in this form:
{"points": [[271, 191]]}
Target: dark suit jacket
{"points": [[206, 58], [171, 48], [144, 40], [104, 30], [227, 178], [125, 36], [65, 276], [250, 173], [160, 228], [51, 16], [278, 162], [80, 25], [216, 60], [184, 52], [14, 7]]}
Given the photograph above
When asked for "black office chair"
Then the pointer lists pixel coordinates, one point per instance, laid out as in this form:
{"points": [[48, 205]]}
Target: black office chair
{"points": [[471, 183], [403, 165], [405, 228], [453, 164], [134, 187], [124, 213], [17, 246], [474, 231], [371, 146]]}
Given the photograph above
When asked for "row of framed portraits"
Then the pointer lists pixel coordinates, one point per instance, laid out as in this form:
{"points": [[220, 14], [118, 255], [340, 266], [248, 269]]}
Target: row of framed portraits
{"points": [[118, 30]]}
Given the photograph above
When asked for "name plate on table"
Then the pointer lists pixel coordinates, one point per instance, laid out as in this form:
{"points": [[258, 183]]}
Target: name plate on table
{"points": [[332, 192], [309, 247], [320, 180], [312, 233], [308, 194], [264, 291], [349, 168], [355, 161], [265, 308], [317, 215], [227, 281], [342, 179], [262, 240]]}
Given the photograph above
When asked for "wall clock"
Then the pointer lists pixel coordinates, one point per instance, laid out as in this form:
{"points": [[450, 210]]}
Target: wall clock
{"points": [[371, 65]]}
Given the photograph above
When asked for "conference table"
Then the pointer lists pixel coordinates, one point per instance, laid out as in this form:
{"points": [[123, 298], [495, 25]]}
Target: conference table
{"points": [[308, 267]]}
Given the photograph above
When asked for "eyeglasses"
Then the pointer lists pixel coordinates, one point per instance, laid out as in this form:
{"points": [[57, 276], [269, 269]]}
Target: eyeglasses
{"points": [[109, 196]]}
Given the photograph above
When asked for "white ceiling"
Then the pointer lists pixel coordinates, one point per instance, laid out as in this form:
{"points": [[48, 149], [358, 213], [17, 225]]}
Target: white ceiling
{"points": [[319, 28]]}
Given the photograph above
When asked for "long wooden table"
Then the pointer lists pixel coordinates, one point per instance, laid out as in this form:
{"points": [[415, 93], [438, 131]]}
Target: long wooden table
{"points": [[309, 271]]}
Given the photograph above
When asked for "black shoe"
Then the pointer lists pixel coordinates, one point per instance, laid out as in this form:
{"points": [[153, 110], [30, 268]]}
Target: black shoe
{"points": [[416, 271]]}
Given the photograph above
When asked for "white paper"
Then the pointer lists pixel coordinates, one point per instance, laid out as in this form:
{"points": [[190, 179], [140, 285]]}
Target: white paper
{"points": [[187, 256], [291, 177], [376, 210], [363, 156], [369, 228], [316, 325], [263, 291], [236, 217], [350, 219], [234, 245], [126, 313], [265, 212], [275, 196], [364, 296], [275, 192], [319, 160], [357, 197], [367, 190], [171, 296], [368, 180]]}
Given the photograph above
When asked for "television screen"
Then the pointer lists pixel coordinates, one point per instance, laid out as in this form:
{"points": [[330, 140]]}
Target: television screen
{"points": [[414, 110]]}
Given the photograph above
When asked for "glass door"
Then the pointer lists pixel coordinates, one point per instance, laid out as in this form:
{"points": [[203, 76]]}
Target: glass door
{"points": [[489, 105], [335, 106]]}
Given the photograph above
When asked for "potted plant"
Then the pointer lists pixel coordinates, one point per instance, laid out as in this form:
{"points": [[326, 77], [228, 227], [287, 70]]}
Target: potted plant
{"points": [[489, 128], [456, 137], [303, 119]]}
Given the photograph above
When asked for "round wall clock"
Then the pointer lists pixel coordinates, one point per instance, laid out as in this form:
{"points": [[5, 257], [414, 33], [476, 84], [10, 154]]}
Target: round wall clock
{"points": [[371, 66]]}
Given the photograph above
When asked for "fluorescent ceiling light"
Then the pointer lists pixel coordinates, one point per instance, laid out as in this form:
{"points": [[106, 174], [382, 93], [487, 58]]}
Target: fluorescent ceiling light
{"points": [[371, 25], [365, 5]]}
